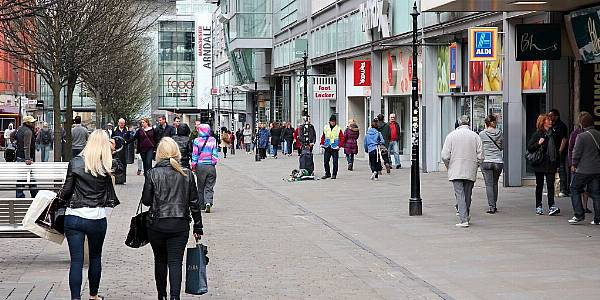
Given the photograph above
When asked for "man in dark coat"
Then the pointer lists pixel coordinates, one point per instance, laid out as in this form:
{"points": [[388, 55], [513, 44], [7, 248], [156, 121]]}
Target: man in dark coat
{"points": [[162, 129], [384, 128], [25, 140], [122, 132]]}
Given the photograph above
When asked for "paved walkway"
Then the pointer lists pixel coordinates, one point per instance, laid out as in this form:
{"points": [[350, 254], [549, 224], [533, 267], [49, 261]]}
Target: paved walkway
{"points": [[345, 239]]}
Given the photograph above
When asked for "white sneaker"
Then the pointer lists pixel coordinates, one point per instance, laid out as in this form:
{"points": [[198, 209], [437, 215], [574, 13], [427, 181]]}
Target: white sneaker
{"points": [[595, 223], [373, 175], [463, 225], [208, 207], [561, 195]]}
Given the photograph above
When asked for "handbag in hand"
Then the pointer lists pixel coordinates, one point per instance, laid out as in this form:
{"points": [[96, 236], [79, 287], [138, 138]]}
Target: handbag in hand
{"points": [[138, 231], [53, 217]]}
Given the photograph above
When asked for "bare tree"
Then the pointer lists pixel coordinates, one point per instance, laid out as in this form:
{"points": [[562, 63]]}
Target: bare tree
{"points": [[16, 9]]}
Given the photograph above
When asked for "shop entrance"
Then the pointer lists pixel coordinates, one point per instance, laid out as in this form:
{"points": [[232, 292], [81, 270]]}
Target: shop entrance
{"points": [[535, 104], [357, 107]]}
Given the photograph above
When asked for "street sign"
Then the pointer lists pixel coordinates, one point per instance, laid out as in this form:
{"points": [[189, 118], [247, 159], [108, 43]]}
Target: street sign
{"points": [[39, 103], [300, 47]]}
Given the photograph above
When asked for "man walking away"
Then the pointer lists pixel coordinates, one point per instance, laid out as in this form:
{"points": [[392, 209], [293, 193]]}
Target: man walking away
{"points": [[25, 140], [393, 141], [331, 140], [80, 136], [384, 128], [462, 154], [586, 169], [561, 135], [44, 141]]}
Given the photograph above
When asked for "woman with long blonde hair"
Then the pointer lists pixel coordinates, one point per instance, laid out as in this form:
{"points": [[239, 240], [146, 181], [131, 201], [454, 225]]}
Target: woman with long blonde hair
{"points": [[172, 195], [87, 193]]}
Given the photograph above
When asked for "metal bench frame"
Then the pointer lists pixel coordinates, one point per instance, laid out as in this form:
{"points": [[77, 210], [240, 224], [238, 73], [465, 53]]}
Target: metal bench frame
{"points": [[37, 176]]}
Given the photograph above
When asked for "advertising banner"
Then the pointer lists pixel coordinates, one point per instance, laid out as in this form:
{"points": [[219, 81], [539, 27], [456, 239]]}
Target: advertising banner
{"points": [[590, 94], [443, 70], [538, 42], [534, 76], [453, 53], [204, 58], [486, 76], [324, 88], [397, 68], [585, 26], [483, 43], [362, 73]]}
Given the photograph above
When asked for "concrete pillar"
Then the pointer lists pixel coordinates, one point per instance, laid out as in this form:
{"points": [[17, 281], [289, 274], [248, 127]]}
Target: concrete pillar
{"points": [[513, 109], [342, 109], [376, 96], [430, 116]]}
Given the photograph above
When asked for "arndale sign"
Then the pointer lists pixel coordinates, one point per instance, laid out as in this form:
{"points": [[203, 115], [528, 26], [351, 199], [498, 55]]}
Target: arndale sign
{"points": [[482, 43]]}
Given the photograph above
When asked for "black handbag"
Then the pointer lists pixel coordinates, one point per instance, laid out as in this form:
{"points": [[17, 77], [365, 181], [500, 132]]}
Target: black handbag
{"points": [[535, 158], [138, 231], [53, 217]]}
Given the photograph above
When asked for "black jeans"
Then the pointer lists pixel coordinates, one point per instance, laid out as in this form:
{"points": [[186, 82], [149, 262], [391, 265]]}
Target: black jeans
{"points": [[578, 184], [329, 154], [168, 248], [563, 174], [275, 149], [539, 188], [262, 153], [147, 160], [375, 162], [76, 229]]}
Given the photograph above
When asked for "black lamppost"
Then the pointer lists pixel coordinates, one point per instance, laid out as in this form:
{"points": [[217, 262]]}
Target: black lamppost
{"points": [[305, 76], [415, 205], [256, 154]]}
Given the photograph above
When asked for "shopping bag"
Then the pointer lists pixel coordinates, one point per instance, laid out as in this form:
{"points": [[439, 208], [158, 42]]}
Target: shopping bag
{"points": [[38, 207], [195, 275], [53, 217], [138, 232]]}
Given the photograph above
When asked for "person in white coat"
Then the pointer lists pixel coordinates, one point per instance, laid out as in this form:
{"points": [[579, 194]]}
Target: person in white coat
{"points": [[463, 154]]}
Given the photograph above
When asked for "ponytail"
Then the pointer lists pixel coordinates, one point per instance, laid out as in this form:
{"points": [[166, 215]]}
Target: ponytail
{"points": [[175, 164]]}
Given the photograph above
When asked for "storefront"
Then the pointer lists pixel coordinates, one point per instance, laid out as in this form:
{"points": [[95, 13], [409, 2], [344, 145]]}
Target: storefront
{"points": [[358, 94]]}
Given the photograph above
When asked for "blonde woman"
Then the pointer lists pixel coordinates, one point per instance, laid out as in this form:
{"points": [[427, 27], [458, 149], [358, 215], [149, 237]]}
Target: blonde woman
{"points": [[172, 195], [88, 192]]}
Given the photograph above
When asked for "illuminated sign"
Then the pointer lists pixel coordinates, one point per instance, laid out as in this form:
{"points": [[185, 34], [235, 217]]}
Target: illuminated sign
{"points": [[482, 43]]}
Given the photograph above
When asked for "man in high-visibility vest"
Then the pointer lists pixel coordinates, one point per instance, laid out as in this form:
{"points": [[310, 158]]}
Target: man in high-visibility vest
{"points": [[331, 141]]}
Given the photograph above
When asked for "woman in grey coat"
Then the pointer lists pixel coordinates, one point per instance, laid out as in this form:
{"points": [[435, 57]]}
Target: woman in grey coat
{"points": [[492, 166]]}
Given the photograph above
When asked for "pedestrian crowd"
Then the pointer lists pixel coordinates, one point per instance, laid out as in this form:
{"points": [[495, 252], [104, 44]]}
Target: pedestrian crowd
{"points": [[550, 150]]}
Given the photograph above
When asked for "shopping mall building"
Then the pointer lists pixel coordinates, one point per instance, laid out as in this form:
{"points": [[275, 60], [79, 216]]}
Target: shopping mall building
{"points": [[511, 59]]}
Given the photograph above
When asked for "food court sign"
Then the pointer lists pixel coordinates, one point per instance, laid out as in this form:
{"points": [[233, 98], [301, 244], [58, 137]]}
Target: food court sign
{"points": [[482, 43]]}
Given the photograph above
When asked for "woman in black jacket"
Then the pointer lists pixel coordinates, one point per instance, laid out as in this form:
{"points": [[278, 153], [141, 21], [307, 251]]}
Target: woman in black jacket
{"points": [[87, 192], [544, 138], [275, 138], [172, 195]]}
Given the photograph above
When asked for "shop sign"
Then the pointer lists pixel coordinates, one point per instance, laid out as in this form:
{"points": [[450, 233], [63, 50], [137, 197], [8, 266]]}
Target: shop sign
{"points": [[374, 14], [214, 91], [180, 87], [362, 73], [482, 43], [324, 88], [585, 26], [590, 93], [453, 66], [538, 42], [204, 57]]}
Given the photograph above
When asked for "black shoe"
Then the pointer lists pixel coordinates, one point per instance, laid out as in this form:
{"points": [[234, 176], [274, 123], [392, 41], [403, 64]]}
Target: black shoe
{"points": [[588, 211], [491, 210], [334, 177], [326, 176]]}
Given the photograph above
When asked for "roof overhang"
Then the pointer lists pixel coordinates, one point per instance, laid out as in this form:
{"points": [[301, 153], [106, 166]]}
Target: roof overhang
{"points": [[505, 5]]}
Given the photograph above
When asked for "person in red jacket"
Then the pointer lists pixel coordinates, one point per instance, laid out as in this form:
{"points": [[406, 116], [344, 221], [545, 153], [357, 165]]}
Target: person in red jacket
{"points": [[332, 140]]}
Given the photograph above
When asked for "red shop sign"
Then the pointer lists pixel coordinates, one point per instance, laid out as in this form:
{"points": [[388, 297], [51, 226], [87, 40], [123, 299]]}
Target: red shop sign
{"points": [[362, 73]]}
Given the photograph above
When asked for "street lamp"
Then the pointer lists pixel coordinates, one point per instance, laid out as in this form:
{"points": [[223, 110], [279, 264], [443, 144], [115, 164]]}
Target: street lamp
{"points": [[415, 205]]}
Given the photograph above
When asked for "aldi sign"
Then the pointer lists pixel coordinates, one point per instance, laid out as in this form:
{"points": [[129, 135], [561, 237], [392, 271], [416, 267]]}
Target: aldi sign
{"points": [[482, 43]]}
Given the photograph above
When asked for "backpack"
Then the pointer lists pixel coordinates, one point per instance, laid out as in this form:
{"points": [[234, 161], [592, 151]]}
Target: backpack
{"points": [[10, 153], [46, 137]]}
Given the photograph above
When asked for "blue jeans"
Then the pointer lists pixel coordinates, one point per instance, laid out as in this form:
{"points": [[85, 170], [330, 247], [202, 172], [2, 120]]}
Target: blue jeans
{"points": [[147, 160], [76, 229], [45, 152], [394, 149], [578, 184]]}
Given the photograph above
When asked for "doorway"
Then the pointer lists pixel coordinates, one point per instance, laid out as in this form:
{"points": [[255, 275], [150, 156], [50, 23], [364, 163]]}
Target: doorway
{"points": [[535, 104], [356, 112]]}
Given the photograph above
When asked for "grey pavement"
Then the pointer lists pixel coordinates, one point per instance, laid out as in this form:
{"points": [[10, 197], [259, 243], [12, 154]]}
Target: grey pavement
{"points": [[349, 238]]}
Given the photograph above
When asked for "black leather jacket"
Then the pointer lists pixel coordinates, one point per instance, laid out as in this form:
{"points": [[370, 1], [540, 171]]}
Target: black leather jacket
{"points": [[171, 195], [81, 189]]}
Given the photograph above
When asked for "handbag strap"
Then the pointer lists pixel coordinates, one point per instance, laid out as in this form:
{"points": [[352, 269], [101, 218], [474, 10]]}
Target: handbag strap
{"points": [[595, 141], [204, 145], [491, 139]]}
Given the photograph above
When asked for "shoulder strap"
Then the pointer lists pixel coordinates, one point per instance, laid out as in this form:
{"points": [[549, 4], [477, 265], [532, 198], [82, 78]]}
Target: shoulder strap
{"points": [[491, 139], [594, 138], [204, 145]]}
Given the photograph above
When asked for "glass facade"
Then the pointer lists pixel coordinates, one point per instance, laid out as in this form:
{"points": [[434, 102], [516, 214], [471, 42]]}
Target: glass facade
{"points": [[343, 33], [478, 108], [176, 65], [285, 12], [285, 53], [252, 19]]}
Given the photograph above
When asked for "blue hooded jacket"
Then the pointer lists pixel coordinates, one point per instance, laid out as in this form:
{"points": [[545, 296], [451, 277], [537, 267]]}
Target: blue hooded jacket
{"points": [[372, 139]]}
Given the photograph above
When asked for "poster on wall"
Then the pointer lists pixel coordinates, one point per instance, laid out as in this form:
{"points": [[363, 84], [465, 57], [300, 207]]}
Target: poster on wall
{"points": [[397, 68], [585, 26], [203, 25], [453, 53], [443, 70], [534, 76], [486, 76]]}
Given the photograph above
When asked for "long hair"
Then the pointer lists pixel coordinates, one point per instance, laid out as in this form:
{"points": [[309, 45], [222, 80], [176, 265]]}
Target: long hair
{"points": [[168, 150], [539, 124], [97, 154]]}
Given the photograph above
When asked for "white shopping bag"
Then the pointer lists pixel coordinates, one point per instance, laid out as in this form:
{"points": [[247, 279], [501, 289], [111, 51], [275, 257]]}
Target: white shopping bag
{"points": [[38, 206]]}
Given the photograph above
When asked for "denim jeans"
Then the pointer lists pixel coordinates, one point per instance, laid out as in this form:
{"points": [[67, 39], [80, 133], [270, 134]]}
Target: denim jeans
{"points": [[168, 251], [248, 147], [147, 160], [578, 184], [76, 229], [331, 154], [45, 152], [491, 175], [350, 158], [75, 152], [394, 149], [19, 192]]}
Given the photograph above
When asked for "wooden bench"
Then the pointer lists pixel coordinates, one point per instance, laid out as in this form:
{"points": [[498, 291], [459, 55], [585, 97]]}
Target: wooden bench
{"points": [[37, 176]]}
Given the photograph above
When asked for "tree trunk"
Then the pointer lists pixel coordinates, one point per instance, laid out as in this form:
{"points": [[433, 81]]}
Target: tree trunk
{"points": [[56, 88], [98, 112], [71, 83]]}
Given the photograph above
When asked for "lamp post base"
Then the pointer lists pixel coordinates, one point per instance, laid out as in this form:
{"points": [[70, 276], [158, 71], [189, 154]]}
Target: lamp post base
{"points": [[415, 207]]}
